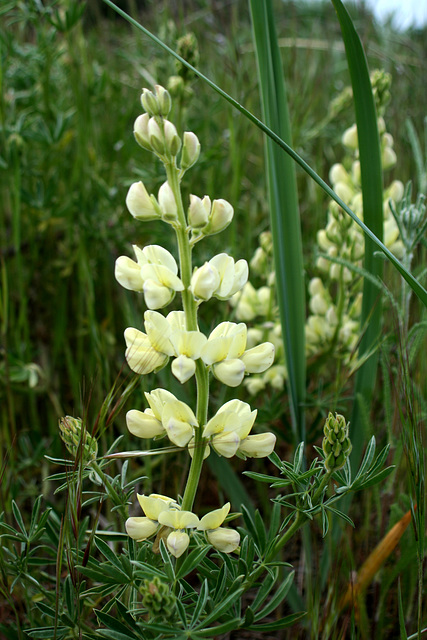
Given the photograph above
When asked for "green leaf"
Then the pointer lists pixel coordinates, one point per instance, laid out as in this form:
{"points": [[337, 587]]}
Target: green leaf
{"points": [[403, 634], [114, 625], [192, 561], [265, 588], [283, 203], [47, 632], [201, 603], [277, 598], [372, 194], [18, 518], [225, 605], [225, 627], [279, 624]]}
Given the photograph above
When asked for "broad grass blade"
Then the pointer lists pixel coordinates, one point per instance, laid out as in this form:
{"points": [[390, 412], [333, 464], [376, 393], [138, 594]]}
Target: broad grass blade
{"points": [[372, 192], [284, 212]]}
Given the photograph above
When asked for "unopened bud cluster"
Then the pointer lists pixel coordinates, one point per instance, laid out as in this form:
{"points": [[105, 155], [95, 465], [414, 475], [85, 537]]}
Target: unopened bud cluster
{"points": [[229, 353], [77, 439], [336, 444], [157, 597]]}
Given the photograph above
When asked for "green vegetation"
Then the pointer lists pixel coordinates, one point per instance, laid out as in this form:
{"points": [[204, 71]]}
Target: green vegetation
{"points": [[70, 79]]}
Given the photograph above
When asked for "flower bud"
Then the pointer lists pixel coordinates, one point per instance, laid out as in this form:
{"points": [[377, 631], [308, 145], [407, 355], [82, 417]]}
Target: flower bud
{"points": [[163, 100], [336, 444], [172, 139], [204, 282], [167, 203], [388, 158], [199, 211], [77, 439], [177, 542], [260, 445], [156, 137], [350, 139], [157, 597], [225, 540], [140, 204], [190, 150], [140, 131], [337, 173], [150, 103], [220, 218]]}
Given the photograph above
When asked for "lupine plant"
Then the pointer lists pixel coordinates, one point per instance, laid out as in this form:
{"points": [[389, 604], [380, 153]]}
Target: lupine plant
{"points": [[169, 541]]}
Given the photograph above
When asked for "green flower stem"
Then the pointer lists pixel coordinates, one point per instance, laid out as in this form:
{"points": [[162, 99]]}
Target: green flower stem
{"points": [[300, 519], [190, 310]]}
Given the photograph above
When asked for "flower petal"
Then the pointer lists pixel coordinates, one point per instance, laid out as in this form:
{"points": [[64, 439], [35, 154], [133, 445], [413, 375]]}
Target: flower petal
{"points": [[214, 519], [140, 528]]}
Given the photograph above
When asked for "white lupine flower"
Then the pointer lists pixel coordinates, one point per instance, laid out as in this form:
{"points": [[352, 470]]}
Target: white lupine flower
{"points": [[140, 354], [230, 372], [140, 131], [172, 139], [188, 346], [178, 421], [204, 282], [183, 368], [231, 424], [319, 304], [157, 400], [140, 528], [233, 276], [214, 519], [156, 137], [227, 340], [178, 540], [128, 273], [350, 139], [225, 540], [167, 203], [199, 211], [220, 217], [190, 150], [337, 173], [259, 358], [144, 424], [260, 445], [140, 204], [154, 504], [157, 276], [159, 332]]}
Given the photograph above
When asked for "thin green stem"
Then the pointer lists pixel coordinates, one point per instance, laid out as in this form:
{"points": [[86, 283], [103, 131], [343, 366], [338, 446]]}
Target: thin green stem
{"points": [[190, 310]]}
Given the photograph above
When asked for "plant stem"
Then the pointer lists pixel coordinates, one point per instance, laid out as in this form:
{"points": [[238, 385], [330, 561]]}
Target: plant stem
{"points": [[190, 310]]}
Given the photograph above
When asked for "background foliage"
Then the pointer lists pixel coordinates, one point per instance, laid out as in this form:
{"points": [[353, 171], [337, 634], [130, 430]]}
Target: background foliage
{"points": [[69, 85]]}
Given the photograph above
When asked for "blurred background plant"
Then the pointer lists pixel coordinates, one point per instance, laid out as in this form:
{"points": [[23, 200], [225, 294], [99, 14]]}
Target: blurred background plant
{"points": [[69, 75]]}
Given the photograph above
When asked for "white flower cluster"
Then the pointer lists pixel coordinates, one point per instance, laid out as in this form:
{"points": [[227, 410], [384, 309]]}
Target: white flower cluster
{"points": [[227, 431], [229, 352], [335, 297], [163, 516]]}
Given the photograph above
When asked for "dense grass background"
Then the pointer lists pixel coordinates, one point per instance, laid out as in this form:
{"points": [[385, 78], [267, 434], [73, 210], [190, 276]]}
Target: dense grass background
{"points": [[69, 88]]}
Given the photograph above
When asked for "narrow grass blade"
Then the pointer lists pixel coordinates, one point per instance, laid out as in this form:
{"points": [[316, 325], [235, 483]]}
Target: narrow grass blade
{"points": [[416, 287], [284, 213]]}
